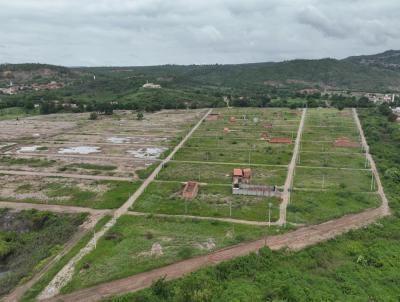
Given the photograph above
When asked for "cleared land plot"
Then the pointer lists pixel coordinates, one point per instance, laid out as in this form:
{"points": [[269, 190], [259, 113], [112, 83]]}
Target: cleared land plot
{"points": [[29, 237], [330, 181], [310, 146], [278, 154], [116, 145], [333, 179], [82, 149], [223, 142], [327, 159], [85, 166], [316, 207], [211, 201], [65, 191], [220, 173], [137, 244], [275, 113]]}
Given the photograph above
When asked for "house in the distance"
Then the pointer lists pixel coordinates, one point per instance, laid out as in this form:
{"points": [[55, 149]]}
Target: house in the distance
{"points": [[151, 85]]}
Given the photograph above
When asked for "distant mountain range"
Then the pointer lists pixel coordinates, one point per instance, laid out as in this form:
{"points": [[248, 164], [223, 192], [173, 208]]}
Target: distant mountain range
{"points": [[379, 72], [389, 60]]}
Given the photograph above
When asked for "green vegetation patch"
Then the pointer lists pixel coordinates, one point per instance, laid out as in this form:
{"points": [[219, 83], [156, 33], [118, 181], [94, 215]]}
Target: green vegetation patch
{"points": [[40, 285], [315, 207], [95, 194], [220, 173], [333, 179], [211, 201], [327, 159], [362, 265], [30, 162], [88, 166], [27, 238], [137, 244], [279, 154]]}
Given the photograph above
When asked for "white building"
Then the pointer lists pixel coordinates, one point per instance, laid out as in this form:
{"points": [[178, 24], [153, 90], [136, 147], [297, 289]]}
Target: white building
{"points": [[151, 85]]}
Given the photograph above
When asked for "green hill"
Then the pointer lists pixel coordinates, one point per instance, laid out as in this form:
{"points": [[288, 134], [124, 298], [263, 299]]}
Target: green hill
{"points": [[31, 72], [389, 60]]}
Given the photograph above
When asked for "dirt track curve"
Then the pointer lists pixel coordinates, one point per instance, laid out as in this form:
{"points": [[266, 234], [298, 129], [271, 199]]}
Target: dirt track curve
{"points": [[295, 240]]}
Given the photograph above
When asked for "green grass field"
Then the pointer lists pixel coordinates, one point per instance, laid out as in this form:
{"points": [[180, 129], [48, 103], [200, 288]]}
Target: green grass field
{"points": [[220, 173], [16, 112], [337, 160], [65, 193], [126, 249], [316, 207], [333, 179], [270, 155], [212, 201]]}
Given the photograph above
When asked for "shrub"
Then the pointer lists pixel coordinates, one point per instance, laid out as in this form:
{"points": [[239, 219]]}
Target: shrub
{"points": [[93, 116]]}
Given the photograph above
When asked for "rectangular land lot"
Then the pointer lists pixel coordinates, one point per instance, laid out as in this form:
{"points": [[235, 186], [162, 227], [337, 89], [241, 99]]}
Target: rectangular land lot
{"points": [[211, 201], [210, 156], [66, 191], [138, 244], [117, 145], [220, 173], [332, 179]]}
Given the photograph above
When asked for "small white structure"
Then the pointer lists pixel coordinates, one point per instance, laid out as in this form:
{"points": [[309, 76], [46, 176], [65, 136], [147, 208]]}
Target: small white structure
{"points": [[151, 85], [396, 111]]}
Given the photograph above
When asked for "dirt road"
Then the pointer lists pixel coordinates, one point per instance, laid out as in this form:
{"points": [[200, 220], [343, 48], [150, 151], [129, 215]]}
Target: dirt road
{"points": [[65, 274], [291, 167], [385, 201], [65, 175], [295, 240]]}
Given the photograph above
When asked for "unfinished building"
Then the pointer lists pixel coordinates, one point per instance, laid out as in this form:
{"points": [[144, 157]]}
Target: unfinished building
{"points": [[190, 190], [241, 185]]}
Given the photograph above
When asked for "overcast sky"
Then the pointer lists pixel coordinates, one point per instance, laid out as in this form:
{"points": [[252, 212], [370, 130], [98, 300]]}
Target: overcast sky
{"points": [[152, 32]]}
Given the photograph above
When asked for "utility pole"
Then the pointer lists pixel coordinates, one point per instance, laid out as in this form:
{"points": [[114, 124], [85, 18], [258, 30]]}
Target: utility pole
{"points": [[372, 181], [269, 214], [230, 208]]}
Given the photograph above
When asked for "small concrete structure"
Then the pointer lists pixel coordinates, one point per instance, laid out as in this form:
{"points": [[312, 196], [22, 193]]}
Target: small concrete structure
{"points": [[151, 85], [190, 190], [241, 185], [256, 190]]}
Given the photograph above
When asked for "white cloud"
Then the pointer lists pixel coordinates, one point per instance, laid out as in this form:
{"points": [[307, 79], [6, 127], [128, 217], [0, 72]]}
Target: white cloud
{"points": [[147, 32]]}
